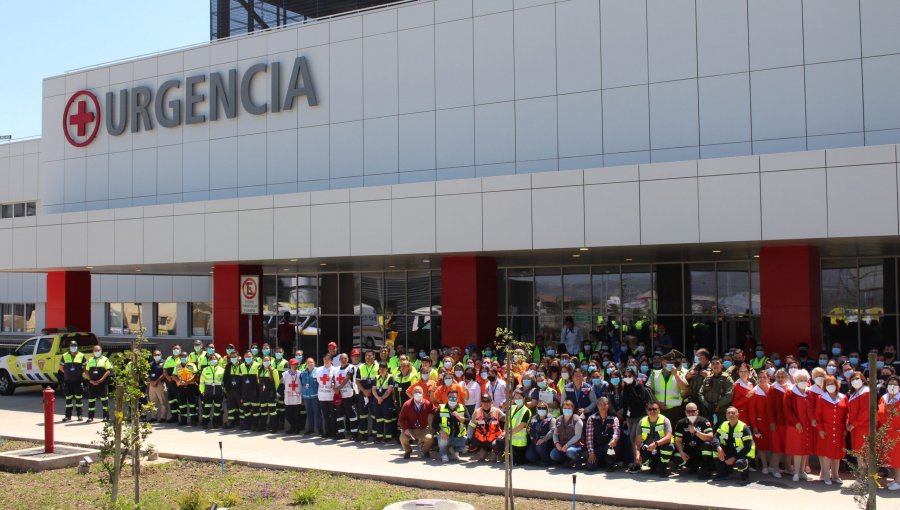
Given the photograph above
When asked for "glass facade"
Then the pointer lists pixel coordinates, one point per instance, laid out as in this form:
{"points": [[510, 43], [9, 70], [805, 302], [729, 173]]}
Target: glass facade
{"points": [[859, 303], [201, 319], [124, 318], [708, 305], [235, 17], [366, 309], [17, 317], [166, 315]]}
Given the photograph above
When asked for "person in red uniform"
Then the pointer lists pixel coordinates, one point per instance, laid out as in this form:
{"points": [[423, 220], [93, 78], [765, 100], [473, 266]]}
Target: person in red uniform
{"points": [[759, 422], [858, 411], [816, 390], [889, 417], [743, 394], [831, 416], [799, 414], [775, 417]]}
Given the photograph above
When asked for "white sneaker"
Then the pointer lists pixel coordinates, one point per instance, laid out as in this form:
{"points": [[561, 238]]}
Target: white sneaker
{"points": [[796, 477], [445, 458], [837, 480], [827, 481], [776, 474], [803, 477], [893, 486], [765, 470], [453, 454]]}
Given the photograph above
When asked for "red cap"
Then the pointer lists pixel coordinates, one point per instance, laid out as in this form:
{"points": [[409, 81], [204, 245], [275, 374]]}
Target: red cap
{"points": [[354, 352], [332, 344], [293, 361]]}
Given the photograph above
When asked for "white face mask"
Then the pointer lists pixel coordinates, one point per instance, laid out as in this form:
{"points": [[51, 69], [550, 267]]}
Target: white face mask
{"points": [[628, 380], [692, 418], [792, 371], [565, 376], [802, 385], [417, 397], [893, 389], [857, 384], [831, 388], [820, 381]]}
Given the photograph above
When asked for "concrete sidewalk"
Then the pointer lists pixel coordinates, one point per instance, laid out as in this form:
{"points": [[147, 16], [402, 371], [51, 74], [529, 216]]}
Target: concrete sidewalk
{"points": [[21, 417]]}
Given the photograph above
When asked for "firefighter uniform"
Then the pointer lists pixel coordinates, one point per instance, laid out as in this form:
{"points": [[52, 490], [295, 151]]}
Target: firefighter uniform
{"points": [[269, 379], [232, 383], [187, 407], [250, 394], [737, 442], [367, 375], [212, 390], [96, 368], [72, 367], [385, 419], [699, 452]]}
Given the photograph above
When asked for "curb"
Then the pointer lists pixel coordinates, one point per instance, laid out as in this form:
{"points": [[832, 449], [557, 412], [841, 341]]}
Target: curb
{"points": [[435, 484]]}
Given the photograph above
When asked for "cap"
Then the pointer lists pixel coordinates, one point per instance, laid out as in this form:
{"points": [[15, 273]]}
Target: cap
{"points": [[332, 344], [198, 342], [73, 342], [229, 346], [486, 398], [354, 352], [293, 362]]}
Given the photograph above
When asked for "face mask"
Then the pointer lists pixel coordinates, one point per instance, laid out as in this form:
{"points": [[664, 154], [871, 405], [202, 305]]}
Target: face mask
{"points": [[609, 370], [426, 374], [640, 348], [587, 349], [248, 360], [97, 354], [819, 381], [484, 375], [228, 350], [853, 361], [448, 382], [254, 351], [458, 373], [614, 381], [157, 358], [488, 353], [831, 388], [447, 364], [541, 384], [836, 351], [770, 371], [176, 352], [831, 370], [213, 362], [492, 378], [551, 352], [759, 354], [565, 376], [893, 389], [823, 362], [624, 348], [727, 364], [644, 369], [519, 402], [266, 352], [596, 382], [847, 374], [669, 367], [235, 361], [423, 354], [584, 367], [792, 371], [777, 362], [452, 402], [856, 383], [210, 350], [417, 397], [470, 365], [568, 412], [542, 412], [266, 364], [692, 418], [696, 360], [628, 380], [73, 349], [802, 385], [526, 383], [879, 364], [184, 360], [279, 355]]}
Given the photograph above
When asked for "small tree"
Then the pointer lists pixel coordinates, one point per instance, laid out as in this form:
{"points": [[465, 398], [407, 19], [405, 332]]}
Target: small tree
{"points": [[864, 471], [507, 343], [125, 434]]}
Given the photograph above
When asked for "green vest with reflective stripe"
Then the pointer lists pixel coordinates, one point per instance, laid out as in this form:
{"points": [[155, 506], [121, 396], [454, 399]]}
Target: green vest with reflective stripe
{"points": [[659, 427], [523, 414], [667, 393], [738, 435], [211, 375], [758, 363], [444, 414]]}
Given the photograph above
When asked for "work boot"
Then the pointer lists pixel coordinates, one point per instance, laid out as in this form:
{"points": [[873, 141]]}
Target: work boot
{"points": [[482, 454], [453, 454]]}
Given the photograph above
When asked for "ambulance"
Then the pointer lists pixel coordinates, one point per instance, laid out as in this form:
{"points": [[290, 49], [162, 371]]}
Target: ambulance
{"points": [[36, 360]]}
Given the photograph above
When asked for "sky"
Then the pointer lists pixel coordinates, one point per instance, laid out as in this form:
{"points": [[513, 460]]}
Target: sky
{"points": [[50, 37]]}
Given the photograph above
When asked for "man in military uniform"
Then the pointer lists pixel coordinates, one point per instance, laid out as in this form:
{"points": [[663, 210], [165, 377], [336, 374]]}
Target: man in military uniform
{"points": [[734, 447], [693, 436], [99, 369], [716, 393], [72, 367]]}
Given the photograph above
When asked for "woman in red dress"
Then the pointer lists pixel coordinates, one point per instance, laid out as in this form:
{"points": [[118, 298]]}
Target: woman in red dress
{"points": [[759, 423], [775, 418], [743, 393], [816, 390], [889, 417], [831, 416], [858, 411], [799, 414]]}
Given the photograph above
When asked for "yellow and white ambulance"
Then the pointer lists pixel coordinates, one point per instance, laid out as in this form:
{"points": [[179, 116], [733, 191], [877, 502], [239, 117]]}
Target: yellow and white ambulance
{"points": [[36, 360]]}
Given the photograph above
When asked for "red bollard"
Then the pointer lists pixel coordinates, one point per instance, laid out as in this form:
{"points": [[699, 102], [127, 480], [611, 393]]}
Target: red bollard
{"points": [[49, 398]]}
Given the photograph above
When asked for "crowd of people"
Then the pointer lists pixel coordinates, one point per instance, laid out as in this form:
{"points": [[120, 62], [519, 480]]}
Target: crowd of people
{"points": [[604, 403]]}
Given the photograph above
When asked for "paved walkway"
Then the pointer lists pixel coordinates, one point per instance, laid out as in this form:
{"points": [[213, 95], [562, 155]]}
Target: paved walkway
{"points": [[21, 417]]}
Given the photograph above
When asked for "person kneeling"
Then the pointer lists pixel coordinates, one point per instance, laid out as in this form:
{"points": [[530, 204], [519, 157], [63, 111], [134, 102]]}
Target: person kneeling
{"points": [[734, 446], [693, 436], [451, 426], [567, 437], [602, 436], [487, 424], [653, 445]]}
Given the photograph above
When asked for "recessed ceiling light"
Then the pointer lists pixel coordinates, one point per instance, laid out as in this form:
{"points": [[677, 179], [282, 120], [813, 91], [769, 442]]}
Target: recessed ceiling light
{"points": [[576, 255], [628, 260], [717, 251], [582, 249], [293, 260], [426, 261], [392, 267], [138, 270], [210, 272], [323, 264], [89, 267], [285, 269], [756, 256]]}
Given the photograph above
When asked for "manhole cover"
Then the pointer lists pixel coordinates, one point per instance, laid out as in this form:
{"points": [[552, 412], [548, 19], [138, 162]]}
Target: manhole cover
{"points": [[423, 504]]}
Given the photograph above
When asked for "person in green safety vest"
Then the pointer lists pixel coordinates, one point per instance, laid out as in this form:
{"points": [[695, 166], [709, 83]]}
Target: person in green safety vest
{"points": [[99, 368], [520, 415], [212, 390], [280, 364], [734, 447], [760, 360], [653, 443], [668, 386], [451, 425]]}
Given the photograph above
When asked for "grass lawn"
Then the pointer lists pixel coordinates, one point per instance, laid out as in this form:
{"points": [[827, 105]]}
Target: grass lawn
{"points": [[195, 485]]}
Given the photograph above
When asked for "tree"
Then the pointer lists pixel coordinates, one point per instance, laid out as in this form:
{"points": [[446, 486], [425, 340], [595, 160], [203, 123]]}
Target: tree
{"points": [[506, 343], [125, 435]]}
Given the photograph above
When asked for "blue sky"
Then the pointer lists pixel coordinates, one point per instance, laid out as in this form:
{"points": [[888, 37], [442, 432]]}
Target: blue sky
{"points": [[50, 37]]}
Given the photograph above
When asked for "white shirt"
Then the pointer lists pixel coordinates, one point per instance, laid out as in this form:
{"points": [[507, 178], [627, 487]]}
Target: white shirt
{"points": [[474, 395], [349, 372], [326, 376], [572, 340], [293, 394], [497, 389]]}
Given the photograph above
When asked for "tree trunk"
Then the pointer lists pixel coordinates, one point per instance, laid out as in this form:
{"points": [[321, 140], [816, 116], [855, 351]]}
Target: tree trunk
{"points": [[136, 431], [508, 501], [117, 442], [871, 462]]}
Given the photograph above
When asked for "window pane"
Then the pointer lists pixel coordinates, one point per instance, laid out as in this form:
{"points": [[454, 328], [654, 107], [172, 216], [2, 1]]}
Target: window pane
{"points": [[733, 283], [7, 318], [876, 331], [701, 282], [114, 319], [839, 290], [521, 291], [201, 319], [6, 211], [701, 333], [165, 319], [418, 291], [29, 318], [19, 210], [436, 289], [577, 293], [372, 293], [30, 209], [637, 293], [523, 327], [548, 291], [395, 293], [349, 293], [133, 314], [669, 295], [19, 318], [606, 285], [754, 288], [871, 286]]}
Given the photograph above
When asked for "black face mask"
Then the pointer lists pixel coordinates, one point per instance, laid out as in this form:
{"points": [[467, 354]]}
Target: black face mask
{"points": [[889, 355], [492, 378], [802, 353]]}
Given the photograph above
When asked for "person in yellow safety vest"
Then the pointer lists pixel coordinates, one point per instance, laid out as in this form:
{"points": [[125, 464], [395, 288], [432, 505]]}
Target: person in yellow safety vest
{"points": [[693, 436], [365, 403], [72, 366], [760, 360], [212, 392], [269, 379], [520, 416], [734, 447], [185, 374], [668, 385], [280, 365], [249, 374], [653, 446], [198, 359], [451, 427], [98, 369]]}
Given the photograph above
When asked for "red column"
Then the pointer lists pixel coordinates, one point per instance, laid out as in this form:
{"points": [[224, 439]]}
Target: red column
{"points": [[790, 289], [469, 300], [69, 299], [229, 326]]}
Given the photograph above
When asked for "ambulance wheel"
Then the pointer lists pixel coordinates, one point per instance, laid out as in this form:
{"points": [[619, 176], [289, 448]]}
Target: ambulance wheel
{"points": [[7, 386]]}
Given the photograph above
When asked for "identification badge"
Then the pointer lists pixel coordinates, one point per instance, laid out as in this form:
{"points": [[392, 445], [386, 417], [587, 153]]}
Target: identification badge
{"points": [[247, 381], [71, 369]]}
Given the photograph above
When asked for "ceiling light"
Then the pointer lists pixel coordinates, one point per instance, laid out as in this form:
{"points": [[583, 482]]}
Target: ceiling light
{"points": [[323, 264], [582, 249], [576, 255], [89, 267], [293, 260], [717, 251], [628, 260], [210, 272], [138, 270], [392, 267], [285, 269], [426, 261], [756, 256]]}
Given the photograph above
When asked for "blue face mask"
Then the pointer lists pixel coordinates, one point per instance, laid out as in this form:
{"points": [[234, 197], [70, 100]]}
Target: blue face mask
{"points": [[542, 384], [879, 364], [823, 362], [266, 352], [596, 382], [727, 364], [853, 361], [644, 369], [831, 370], [584, 367], [488, 352], [248, 360], [298, 358], [669, 367], [235, 361], [184, 360], [210, 350], [254, 351], [568, 412], [776, 362], [609, 370], [279, 355], [759, 354], [847, 374], [526, 382], [614, 381], [551, 352], [836, 351], [696, 360], [229, 350]]}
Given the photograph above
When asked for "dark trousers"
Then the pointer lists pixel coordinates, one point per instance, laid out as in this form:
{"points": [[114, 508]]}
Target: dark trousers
{"points": [[329, 427], [384, 419], [292, 413], [701, 458], [518, 455], [187, 410], [604, 461], [347, 419], [172, 392], [95, 393], [74, 397], [365, 409], [278, 421], [538, 453], [212, 407], [496, 445], [233, 404], [266, 404], [250, 410], [658, 461]]}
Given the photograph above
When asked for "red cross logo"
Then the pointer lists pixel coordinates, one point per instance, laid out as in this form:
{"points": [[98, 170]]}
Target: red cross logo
{"points": [[325, 379], [293, 386], [78, 119], [340, 379]]}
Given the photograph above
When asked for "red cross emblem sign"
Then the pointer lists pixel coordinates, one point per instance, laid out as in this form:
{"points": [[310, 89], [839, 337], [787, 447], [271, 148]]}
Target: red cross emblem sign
{"points": [[81, 118]]}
